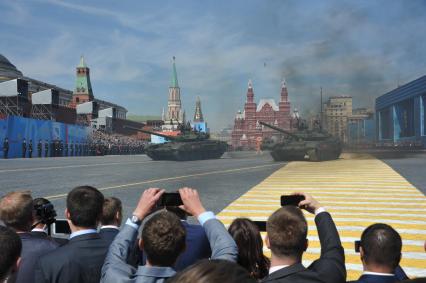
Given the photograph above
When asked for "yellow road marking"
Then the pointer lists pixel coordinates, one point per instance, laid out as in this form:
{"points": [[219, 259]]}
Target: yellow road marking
{"points": [[358, 190]]}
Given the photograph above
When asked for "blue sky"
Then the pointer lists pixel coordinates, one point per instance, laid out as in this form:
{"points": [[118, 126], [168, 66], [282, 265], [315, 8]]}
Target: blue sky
{"points": [[358, 48]]}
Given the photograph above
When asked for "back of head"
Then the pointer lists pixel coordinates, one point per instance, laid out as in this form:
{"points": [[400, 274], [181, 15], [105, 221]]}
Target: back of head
{"points": [[250, 247], [84, 205], [381, 246], [16, 210], [163, 238], [10, 251], [287, 232], [213, 271], [112, 212]]}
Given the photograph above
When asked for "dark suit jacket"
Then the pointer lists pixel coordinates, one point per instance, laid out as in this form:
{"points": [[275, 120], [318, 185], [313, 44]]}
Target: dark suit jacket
{"points": [[368, 278], [79, 261], [108, 234], [32, 249], [329, 268], [197, 246], [42, 235], [116, 269]]}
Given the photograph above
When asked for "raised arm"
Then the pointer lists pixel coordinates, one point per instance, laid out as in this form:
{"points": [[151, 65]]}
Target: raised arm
{"points": [[115, 268], [222, 244]]}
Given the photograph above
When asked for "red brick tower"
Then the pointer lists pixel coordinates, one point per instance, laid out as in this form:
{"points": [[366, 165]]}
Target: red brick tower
{"points": [[284, 107]]}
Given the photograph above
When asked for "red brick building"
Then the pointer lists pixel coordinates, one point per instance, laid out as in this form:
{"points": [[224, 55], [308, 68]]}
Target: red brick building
{"points": [[247, 129]]}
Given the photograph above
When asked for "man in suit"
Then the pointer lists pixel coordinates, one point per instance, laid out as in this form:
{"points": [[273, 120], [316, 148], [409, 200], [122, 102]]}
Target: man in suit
{"points": [[10, 252], [81, 259], [286, 237], [380, 252], [44, 216], [112, 215], [197, 244], [16, 211], [163, 239]]}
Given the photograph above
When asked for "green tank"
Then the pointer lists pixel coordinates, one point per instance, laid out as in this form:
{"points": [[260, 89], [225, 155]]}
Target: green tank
{"points": [[187, 146], [305, 144]]}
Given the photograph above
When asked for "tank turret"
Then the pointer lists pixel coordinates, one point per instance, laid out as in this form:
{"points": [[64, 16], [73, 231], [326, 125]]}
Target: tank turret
{"points": [[188, 145], [305, 145]]}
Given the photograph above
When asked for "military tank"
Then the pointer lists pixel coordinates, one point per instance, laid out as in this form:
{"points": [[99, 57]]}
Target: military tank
{"points": [[189, 145], [305, 144]]}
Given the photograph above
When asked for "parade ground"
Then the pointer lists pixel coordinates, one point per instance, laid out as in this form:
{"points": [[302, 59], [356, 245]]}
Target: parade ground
{"points": [[358, 190]]}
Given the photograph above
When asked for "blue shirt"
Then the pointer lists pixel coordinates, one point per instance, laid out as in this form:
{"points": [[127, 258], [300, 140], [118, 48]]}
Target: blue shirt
{"points": [[83, 232]]}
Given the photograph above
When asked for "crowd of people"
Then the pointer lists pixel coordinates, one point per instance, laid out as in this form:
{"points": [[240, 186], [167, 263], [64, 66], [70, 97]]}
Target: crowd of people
{"points": [[117, 144], [157, 244], [99, 143]]}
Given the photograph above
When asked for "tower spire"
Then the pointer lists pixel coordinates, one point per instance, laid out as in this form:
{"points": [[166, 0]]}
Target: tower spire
{"points": [[198, 115], [250, 94], [83, 87], [284, 92], [174, 82]]}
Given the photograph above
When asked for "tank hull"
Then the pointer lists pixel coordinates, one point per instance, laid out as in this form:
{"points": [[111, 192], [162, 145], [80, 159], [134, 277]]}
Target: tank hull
{"points": [[304, 152], [186, 151]]}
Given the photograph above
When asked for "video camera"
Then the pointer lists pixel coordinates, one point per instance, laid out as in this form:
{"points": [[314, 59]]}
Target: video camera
{"points": [[46, 213]]}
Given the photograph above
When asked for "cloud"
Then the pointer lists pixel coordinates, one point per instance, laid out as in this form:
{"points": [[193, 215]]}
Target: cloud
{"points": [[360, 48]]}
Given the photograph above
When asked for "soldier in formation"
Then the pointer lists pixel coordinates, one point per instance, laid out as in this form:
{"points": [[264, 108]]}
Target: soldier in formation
{"points": [[30, 149], [24, 148], [5, 148], [39, 148]]}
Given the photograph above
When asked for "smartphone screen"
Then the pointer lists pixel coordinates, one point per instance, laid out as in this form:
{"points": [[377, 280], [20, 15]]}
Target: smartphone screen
{"points": [[291, 200], [170, 199], [261, 225], [357, 245], [61, 227]]}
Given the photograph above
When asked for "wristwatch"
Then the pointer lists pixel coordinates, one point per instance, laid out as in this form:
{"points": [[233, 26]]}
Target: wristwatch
{"points": [[135, 220]]}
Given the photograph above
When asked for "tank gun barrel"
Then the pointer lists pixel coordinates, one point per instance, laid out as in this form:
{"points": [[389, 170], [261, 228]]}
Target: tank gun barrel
{"points": [[150, 132], [279, 130]]}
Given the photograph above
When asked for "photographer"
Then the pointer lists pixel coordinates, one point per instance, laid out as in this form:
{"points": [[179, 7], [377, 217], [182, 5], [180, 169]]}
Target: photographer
{"points": [[16, 211], [163, 239], [44, 217]]}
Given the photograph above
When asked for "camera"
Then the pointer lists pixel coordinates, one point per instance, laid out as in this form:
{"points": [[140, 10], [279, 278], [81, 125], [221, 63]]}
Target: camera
{"points": [[46, 213]]}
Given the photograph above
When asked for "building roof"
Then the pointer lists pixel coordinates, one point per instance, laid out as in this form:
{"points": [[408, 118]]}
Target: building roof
{"points": [[174, 82], [269, 101], [105, 104], [409, 90], [8, 70]]}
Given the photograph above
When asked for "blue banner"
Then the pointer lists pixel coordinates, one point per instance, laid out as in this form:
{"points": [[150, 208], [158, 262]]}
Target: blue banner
{"points": [[16, 129]]}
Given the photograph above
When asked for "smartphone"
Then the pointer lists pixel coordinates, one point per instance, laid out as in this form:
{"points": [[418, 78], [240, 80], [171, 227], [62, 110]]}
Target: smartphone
{"points": [[61, 227], [357, 245], [291, 200], [170, 199], [261, 225]]}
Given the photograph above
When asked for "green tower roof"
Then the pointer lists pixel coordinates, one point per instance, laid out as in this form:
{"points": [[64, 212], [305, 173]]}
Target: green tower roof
{"points": [[82, 81], [174, 82]]}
